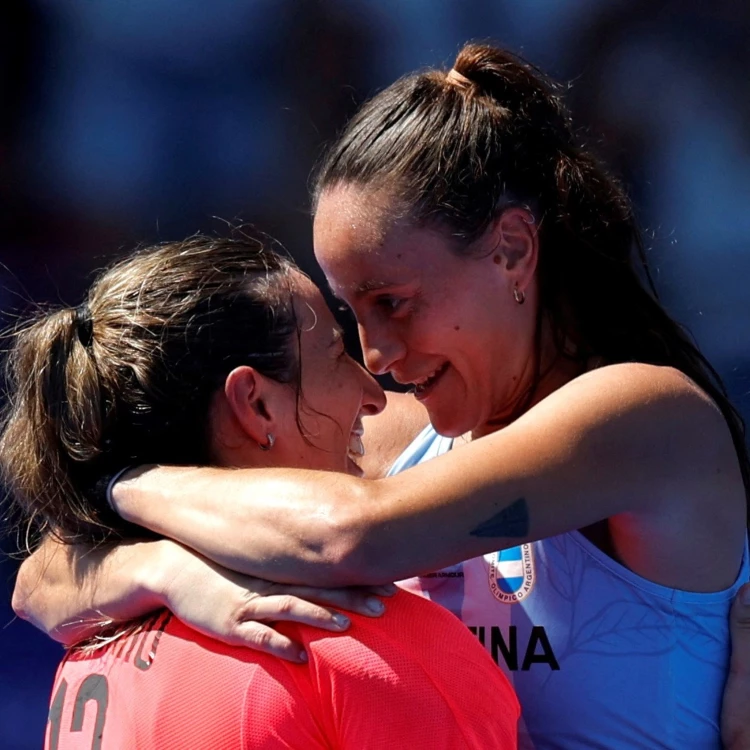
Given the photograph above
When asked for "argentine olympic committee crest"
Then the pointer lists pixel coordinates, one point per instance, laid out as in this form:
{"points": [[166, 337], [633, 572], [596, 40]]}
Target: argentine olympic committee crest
{"points": [[511, 573]]}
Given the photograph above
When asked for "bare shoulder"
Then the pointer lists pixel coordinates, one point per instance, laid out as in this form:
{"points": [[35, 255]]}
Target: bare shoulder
{"points": [[388, 433], [641, 395], [655, 418], [637, 380], [675, 451]]}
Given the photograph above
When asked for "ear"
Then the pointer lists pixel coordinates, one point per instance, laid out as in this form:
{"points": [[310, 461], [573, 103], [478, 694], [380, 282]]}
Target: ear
{"points": [[515, 245], [251, 398]]}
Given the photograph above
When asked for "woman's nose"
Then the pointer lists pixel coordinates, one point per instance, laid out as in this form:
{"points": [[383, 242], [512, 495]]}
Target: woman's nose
{"points": [[380, 350]]}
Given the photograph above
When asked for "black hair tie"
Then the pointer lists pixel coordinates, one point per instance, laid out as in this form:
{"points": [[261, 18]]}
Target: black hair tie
{"points": [[84, 324]]}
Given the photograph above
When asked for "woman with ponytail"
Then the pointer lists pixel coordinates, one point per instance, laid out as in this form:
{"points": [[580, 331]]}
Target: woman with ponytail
{"points": [[578, 491], [219, 351]]}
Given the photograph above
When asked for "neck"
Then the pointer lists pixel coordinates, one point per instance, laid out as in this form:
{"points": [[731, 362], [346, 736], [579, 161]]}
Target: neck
{"points": [[555, 371]]}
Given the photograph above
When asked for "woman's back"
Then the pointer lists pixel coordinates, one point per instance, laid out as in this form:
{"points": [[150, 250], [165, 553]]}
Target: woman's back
{"points": [[413, 678]]}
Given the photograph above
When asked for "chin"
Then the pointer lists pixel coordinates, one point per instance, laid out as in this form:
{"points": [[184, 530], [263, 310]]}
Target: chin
{"points": [[449, 425]]}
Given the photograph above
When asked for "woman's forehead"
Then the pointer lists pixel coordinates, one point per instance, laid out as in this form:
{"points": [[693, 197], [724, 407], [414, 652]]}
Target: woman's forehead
{"points": [[351, 219], [403, 257], [362, 245]]}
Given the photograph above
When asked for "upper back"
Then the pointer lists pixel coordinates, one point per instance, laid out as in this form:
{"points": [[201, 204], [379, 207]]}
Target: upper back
{"points": [[162, 686], [413, 678]]}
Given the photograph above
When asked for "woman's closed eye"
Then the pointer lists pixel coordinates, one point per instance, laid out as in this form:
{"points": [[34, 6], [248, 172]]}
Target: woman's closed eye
{"points": [[337, 345], [390, 303]]}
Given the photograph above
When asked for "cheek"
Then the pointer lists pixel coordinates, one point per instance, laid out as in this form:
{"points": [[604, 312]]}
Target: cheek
{"points": [[347, 401], [446, 326], [338, 400]]}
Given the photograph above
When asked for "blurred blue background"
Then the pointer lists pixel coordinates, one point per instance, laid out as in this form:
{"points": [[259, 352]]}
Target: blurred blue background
{"points": [[127, 121]]}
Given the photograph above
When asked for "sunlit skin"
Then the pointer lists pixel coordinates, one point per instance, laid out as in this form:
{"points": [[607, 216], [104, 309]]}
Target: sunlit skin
{"points": [[336, 394], [423, 308]]}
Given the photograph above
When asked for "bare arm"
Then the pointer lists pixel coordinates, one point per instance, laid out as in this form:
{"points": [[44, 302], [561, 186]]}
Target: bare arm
{"points": [[59, 589], [635, 441], [73, 593]]}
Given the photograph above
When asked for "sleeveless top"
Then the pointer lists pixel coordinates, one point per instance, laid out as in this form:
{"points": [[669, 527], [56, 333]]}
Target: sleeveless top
{"points": [[599, 657]]}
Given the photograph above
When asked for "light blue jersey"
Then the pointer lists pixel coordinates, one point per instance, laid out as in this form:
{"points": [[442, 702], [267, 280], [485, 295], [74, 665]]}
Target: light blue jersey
{"points": [[599, 657]]}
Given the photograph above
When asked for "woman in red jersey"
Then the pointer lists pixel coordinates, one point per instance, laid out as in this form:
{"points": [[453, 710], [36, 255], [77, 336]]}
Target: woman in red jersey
{"points": [[219, 351]]}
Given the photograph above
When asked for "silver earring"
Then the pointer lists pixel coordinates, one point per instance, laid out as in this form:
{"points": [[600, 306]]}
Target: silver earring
{"points": [[519, 296], [269, 444]]}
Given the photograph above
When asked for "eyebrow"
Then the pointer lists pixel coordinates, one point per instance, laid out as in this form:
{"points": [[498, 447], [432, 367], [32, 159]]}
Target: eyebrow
{"points": [[363, 289], [372, 286]]}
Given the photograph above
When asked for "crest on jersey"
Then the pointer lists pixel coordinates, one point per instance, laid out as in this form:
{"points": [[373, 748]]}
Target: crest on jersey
{"points": [[511, 573]]}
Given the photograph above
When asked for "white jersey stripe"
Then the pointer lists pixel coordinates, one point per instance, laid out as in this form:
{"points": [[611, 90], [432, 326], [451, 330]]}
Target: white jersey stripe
{"points": [[510, 568]]}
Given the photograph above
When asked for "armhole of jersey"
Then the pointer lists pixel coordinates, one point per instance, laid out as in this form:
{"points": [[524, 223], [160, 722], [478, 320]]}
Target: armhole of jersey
{"points": [[655, 589]]}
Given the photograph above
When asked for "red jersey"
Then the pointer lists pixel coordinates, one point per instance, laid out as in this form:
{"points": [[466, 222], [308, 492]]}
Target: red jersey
{"points": [[413, 678]]}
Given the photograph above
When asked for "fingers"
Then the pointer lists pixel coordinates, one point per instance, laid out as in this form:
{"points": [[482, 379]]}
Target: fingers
{"points": [[388, 589], [250, 631], [263, 638], [359, 600], [300, 604], [288, 608]]}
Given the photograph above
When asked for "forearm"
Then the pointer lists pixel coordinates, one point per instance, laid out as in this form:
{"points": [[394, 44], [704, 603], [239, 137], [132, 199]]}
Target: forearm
{"points": [[319, 528], [289, 526], [327, 529], [568, 463], [71, 592]]}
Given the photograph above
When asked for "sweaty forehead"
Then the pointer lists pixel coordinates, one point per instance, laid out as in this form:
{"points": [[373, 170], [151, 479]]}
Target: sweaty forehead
{"points": [[351, 220], [363, 245], [361, 240]]}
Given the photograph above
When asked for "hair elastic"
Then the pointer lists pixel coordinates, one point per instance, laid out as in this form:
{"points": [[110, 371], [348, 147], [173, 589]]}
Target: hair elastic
{"points": [[112, 482], [457, 79], [84, 324]]}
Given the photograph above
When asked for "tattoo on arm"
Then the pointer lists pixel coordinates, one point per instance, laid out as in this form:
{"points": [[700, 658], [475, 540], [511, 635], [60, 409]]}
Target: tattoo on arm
{"points": [[511, 522]]}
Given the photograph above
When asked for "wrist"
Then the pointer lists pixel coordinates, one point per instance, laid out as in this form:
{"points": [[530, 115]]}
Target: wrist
{"points": [[160, 562]]}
